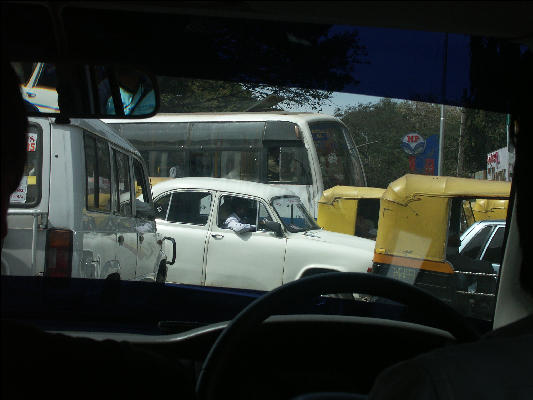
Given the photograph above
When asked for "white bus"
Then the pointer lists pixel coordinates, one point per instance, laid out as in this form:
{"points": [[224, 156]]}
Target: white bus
{"points": [[305, 152]]}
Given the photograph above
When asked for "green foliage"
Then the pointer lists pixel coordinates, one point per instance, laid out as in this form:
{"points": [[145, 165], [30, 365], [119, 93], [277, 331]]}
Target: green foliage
{"points": [[182, 95], [486, 132], [379, 128]]}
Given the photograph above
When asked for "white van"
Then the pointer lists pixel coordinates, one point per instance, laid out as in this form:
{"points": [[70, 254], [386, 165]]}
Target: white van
{"points": [[82, 222]]}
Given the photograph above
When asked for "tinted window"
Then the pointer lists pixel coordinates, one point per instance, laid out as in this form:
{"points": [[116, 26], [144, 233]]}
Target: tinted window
{"points": [[211, 135], [48, 77], [336, 162], [98, 174], [473, 248], [228, 206], [288, 164], [293, 214], [123, 180], [161, 207], [493, 254], [189, 208], [262, 215], [141, 184]]}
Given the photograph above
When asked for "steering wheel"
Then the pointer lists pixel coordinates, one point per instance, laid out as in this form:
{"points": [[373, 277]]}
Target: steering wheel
{"points": [[300, 290]]}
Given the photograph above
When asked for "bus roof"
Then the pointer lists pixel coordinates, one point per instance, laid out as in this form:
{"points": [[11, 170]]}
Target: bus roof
{"points": [[407, 188], [228, 116], [261, 190]]}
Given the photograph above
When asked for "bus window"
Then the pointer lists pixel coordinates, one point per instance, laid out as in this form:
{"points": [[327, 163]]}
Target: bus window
{"points": [[288, 164], [219, 135], [337, 163]]}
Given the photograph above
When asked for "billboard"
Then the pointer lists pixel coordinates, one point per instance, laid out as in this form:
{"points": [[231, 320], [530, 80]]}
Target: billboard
{"points": [[423, 153]]}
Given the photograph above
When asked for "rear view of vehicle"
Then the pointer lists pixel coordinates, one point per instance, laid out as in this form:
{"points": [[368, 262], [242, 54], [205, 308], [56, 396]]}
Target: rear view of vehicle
{"points": [[419, 236], [92, 217], [28, 212]]}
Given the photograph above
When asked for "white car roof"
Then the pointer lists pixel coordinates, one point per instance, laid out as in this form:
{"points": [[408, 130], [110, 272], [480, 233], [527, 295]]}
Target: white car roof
{"points": [[261, 190]]}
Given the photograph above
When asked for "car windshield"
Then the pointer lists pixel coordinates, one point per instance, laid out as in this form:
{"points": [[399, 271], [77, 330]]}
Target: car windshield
{"points": [[397, 123], [293, 214]]}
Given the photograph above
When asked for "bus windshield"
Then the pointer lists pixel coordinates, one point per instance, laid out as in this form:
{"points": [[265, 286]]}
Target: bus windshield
{"points": [[337, 155]]}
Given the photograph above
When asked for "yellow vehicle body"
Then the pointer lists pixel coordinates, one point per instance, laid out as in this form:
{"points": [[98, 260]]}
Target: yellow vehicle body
{"points": [[414, 220], [485, 209], [337, 209], [157, 179]]}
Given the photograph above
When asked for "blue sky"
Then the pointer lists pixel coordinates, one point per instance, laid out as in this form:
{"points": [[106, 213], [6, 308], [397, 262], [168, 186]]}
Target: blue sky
{"points": [[338, 100]]}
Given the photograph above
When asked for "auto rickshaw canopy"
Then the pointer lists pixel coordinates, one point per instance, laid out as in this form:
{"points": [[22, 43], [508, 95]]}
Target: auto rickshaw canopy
{"points": [[337, 208], [415, 215]]}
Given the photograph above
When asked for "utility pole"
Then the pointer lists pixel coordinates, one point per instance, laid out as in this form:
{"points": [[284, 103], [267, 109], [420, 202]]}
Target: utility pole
{"points": [[460, 152], [441, 140], [443, 93]]}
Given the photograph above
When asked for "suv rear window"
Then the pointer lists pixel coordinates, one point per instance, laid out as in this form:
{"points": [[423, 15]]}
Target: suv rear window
{"points": [[28, 193]]}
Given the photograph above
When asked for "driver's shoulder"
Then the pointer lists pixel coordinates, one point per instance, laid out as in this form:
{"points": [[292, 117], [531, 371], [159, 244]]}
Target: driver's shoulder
{"points": [[496, 365]]}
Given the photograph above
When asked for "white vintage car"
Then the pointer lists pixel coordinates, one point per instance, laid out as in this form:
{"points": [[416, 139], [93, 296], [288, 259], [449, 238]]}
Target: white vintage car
{"points": [[286, 245]]}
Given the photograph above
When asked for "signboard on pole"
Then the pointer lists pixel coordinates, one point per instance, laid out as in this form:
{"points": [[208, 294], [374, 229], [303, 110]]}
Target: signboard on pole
{"points": [[423, 154], [413, 144]]}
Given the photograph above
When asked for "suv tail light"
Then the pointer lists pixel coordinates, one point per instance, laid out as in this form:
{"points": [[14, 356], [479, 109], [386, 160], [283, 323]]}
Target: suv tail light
{"points": [[59, 253]]}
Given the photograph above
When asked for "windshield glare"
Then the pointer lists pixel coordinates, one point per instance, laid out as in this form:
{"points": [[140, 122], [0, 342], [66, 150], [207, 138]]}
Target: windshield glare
{"points": [[425, 184], [293, 214]]}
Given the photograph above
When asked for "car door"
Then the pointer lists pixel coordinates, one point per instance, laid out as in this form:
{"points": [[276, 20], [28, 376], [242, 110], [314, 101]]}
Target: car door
{"points": [[125, 223], [41, 89], [147, 247], [250, 260], [98, 228], [184, 215]]}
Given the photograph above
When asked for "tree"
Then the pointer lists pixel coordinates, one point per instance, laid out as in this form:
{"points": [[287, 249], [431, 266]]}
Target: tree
{"points": [[199, 95], [485, 132], [379, 128], [311, 61]]}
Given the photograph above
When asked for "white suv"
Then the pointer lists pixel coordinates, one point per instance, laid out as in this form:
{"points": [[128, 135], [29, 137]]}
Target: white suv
{"points": [[83, 208], [287, 244]]}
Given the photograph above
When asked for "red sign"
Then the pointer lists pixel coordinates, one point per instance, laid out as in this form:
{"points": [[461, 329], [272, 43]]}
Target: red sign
{"points": [[413, 138], [493, 158], [429, 168], [412, 164]]}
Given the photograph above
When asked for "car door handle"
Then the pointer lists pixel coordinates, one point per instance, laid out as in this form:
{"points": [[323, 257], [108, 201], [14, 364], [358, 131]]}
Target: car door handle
{"points": [[30, 94], [217, 235]]}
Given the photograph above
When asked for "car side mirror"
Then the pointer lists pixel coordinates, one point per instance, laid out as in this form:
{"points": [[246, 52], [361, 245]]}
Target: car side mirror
{"points": [[144, 210], [274, 227]]}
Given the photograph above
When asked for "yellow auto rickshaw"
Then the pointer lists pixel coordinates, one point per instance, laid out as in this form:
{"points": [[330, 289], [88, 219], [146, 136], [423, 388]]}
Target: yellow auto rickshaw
{"points": [[421, 220], [350, 210], [485, 209]]}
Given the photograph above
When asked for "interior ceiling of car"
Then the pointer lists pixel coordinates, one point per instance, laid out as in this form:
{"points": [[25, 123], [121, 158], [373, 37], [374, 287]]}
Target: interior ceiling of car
{"points": [[186, 39], [505, 19]]}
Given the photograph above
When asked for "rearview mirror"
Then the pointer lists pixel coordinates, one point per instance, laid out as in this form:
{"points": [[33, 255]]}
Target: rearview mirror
{"points": [[87, 91], [274, 227]]}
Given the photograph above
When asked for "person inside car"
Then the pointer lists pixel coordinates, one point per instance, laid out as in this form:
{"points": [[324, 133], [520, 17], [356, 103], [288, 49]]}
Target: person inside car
{"points": [[136, 98], [237, 220]]}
